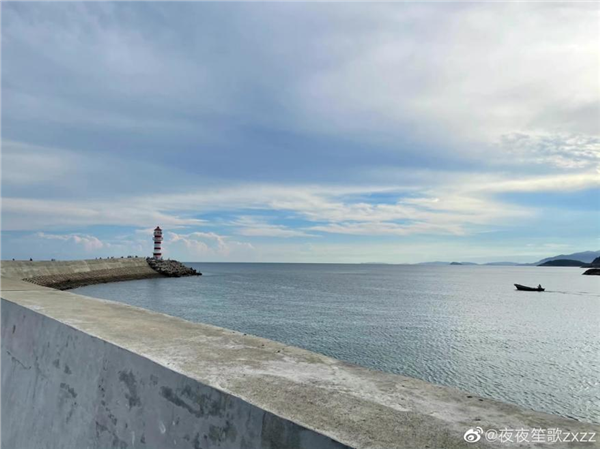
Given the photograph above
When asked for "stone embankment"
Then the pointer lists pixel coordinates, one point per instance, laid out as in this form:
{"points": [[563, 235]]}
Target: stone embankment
{"points": [[74, 280], [171, 268], [64, 275]]}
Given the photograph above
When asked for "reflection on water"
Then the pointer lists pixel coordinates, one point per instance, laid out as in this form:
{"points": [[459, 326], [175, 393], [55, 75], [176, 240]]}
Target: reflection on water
{"points": [[461, 326]]}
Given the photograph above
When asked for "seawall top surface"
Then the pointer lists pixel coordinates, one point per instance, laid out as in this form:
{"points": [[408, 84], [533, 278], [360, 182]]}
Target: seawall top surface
{"points": [[356, 406], [21, 269]]}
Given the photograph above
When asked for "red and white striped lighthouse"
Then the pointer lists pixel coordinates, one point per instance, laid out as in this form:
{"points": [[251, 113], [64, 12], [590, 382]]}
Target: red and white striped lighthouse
{"points": [[158, 238]]}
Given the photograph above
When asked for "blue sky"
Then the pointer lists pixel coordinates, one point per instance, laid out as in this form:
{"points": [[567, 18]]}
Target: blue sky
{"points": [[300, 132]]}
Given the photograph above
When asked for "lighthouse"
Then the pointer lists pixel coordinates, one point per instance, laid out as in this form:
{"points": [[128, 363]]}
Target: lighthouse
{"points": [[157, 242]]}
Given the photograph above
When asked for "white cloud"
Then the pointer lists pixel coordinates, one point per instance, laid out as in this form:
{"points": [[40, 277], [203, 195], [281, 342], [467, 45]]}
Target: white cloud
{"points": [[461, 76], [562, 151], [253, 227], [26, 164], [458, 203], [389, 228], [206, 245], [27, 214], [553, 183], [89, 242]]}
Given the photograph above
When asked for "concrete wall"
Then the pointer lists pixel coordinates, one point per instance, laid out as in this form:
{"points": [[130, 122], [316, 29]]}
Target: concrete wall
{"points": [[64, 275], [77, 391], [25, 269], [79, 373]]}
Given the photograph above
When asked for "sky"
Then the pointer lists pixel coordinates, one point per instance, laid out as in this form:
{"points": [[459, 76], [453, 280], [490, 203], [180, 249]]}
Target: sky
{"points": [[300, 132]]}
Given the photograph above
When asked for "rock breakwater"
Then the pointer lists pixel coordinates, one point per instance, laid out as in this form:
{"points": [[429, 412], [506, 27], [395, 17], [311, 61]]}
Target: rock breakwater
{"points": [[171, 268]]}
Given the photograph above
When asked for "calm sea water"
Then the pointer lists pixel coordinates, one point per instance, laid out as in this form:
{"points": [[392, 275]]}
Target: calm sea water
{"points": [[461, 326]]}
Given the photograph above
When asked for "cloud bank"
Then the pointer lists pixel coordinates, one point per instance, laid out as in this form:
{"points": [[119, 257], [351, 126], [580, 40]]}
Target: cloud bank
{"points": [[248, 129]]}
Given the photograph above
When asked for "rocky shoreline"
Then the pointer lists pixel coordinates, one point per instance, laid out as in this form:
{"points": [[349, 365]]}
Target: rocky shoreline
{"points": [[171, 268]]}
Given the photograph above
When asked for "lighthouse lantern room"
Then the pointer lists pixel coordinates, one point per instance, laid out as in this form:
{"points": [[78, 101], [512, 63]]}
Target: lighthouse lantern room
{"points": [[158, 238]]}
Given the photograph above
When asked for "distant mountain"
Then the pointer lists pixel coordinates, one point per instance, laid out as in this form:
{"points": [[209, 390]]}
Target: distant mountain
{"points": [[586, 257], [434, 263], [562, 263], [507, 264], [497, 264], [595, 263], [447, 263]]}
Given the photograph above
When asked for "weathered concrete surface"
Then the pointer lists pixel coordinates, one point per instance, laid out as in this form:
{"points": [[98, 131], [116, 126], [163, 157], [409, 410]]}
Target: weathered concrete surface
{"points": [[84, 373], [64, 275], [20, 269]]}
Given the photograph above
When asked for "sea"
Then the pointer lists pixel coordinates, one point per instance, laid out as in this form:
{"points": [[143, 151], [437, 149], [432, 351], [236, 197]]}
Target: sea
{"points": [[462, 326]]}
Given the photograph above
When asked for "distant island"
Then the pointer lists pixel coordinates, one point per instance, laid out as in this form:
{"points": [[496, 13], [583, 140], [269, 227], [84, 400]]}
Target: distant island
{"points": [[586, 259], [494, 264], [594, 264], [508, 264], [562, 263], [595, 268], [585, 256]]}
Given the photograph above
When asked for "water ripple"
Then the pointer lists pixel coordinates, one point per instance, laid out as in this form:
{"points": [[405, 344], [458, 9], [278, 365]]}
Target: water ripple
{"points": [[465, 327]]}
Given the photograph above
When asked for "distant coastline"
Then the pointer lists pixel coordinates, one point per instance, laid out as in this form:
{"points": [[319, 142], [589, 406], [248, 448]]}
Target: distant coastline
{"points": [[581, 259]]}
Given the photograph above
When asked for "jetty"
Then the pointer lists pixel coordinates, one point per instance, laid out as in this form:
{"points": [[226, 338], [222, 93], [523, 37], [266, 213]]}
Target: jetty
{"points": [[65, 275]]}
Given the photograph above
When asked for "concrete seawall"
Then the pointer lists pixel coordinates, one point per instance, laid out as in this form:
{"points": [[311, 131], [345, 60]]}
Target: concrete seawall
{"points": [[64, 275], [79, 372]]}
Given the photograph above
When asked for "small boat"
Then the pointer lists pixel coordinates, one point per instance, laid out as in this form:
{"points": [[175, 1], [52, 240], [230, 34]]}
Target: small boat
{"points": [[529, 289]]}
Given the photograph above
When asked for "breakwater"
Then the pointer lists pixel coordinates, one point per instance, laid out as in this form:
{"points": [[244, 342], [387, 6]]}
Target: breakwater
{"points": [[171, 268], [64, 275], [82, 372]]}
